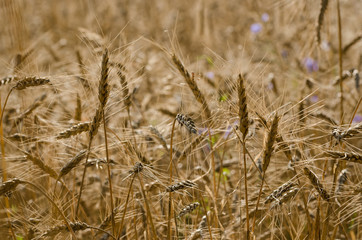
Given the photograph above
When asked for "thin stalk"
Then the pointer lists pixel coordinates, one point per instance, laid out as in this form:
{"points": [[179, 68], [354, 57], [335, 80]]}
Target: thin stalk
{"points": [[246, 194], [317, 221], [355, 111], [6, 101], [258, 201], [109, 174], [309, 221], [125, 206], [214, 174], [53, 203], [207, 217], [149, 214], [3, 165], [83, 177], [340, 59], [134, 218], [130, 124], [169, 231]]}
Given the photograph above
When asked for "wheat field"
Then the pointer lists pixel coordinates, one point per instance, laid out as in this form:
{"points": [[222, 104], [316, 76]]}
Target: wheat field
{"points": [[186, 119]]}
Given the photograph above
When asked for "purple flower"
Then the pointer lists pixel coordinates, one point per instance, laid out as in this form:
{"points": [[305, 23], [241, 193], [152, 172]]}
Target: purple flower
{"points": [[270, 86], [229, 130], [310, 64], [284, 53], [314, 99], [265, 17], [357, 119], [210, 75], [256, 28]]}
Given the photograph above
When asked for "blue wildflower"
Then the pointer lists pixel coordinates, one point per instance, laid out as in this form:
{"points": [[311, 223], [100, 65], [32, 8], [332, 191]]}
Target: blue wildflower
{"points": [[265, 17], [357, 118], [310, 64], [314, 99], [210, 75], [256, 28]]}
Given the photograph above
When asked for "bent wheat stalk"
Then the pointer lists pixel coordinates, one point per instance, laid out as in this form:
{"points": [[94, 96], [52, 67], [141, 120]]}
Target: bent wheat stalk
{"points": [[268, 150]]}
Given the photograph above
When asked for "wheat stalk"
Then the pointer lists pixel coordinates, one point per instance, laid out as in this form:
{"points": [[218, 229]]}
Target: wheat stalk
{"points": [[267, 152], [103, 94]]}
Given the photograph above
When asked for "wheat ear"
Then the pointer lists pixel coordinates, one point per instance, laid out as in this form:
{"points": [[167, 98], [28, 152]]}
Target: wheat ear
{"points": [[346, 156], [244, 126], [322, 11], [74, 130], [190, 80], [316, 183], [103, 94]]}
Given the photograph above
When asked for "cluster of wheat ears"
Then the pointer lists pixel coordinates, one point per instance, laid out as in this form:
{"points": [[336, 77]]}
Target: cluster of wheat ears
{"points": [[83, 160]]}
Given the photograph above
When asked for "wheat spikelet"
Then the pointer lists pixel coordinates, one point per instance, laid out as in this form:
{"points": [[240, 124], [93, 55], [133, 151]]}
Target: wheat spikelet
{"points": [[355, 73], [9, 186], [186, 121], [347, 156], [192, 85], [96, 121], [301, 111], [99, 161], [342, 179], [282, 144], [40, 164], [72, 163], [7, 80], [74, 130], [30, 82], [125, 89], [322, 11], [340, 134], [179, 186], [316, 183], [279, 192], [76, 226], [137, 168], [103, 94], [78, 109], [159, 137], [243, 111], [268, 145], [189, 208], [285, 197], [196, 234], [103, 88]]}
